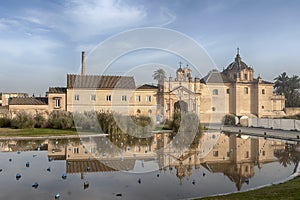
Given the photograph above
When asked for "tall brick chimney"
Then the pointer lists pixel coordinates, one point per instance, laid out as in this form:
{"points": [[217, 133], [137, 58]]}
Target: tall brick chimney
{"points": [[83, 68]]}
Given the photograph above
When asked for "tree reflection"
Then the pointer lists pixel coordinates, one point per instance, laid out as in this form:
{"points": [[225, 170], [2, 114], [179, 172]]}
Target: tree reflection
{"points": [[290, 154]]}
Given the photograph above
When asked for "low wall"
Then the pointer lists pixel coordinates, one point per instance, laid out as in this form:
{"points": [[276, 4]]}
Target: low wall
{"points": [[284, 124], [292, 111]]}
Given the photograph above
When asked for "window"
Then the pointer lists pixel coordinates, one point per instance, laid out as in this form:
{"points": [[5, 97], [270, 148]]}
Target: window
{"points": [[149, 111], [138, 98], [246, 76], [247, 154], [93, 149], [215, 153], [215, 92], [263, 153], [246, 168], [246, 90], [213, 109], [93, 97], [228, 91], [138, 111], [108, 97], [263, 91], [76, 97], [124, 98], [262, 107], [148, 98], [57, 103], [76, 150]]}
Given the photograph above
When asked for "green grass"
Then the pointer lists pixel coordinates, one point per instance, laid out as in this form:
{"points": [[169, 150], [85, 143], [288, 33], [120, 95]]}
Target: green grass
{"points": [[287, 190], [35, 132]]}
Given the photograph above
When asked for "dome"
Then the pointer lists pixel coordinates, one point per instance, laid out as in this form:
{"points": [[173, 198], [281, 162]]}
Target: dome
{"points": [[237, 64], [180, 70]]}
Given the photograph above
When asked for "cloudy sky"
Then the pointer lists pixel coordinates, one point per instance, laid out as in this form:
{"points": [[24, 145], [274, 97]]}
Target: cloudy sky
{"points": [[41, 41]]}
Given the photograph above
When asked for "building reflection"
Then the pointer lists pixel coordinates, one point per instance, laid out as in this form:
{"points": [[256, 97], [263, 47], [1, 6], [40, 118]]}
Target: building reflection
{"points": [[234, 156]]}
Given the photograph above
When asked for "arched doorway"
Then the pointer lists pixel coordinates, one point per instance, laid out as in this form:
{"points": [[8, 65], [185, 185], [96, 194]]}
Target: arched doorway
{"points": [[180, 106]]}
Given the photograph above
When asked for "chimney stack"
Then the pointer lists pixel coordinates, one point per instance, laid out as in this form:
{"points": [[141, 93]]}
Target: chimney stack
{"points": [[83, 69]]}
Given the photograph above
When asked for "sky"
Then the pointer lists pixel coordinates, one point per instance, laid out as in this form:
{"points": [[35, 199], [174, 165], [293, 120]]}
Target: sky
{"points": [[41, 40]]}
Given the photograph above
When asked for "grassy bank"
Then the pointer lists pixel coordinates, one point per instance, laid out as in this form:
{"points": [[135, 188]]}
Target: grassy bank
{"points": [[287, 190], [31, 132]]}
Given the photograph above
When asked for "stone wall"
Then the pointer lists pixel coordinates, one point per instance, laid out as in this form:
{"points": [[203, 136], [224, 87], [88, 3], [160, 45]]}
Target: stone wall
{"points": [[284, 124], [292, 111]]}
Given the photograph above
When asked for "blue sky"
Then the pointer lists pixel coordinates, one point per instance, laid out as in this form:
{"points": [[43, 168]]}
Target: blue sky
{"points": [[41, 41]]}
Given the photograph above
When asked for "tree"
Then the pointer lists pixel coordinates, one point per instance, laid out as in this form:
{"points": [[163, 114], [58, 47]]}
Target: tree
{"points": [[290, 87], [281, 83], [159, 75]]}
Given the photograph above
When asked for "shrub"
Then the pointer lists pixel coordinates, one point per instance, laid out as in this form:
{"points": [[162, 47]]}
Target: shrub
{"points": [[23, 120], [40, 121], [229, 120], [60, 120], [5, 122]]}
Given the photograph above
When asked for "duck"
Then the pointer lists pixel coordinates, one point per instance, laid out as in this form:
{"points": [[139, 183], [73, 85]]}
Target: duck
{"points": [[57, 196], [35, 185], [18, 176], [64, 176]]}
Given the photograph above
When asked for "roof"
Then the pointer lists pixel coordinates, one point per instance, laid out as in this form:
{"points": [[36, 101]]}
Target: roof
{"points": [[237, 64], [215, 76], [28, 101], [100, 82], [147, 86], [57, 90], [78, 166]]}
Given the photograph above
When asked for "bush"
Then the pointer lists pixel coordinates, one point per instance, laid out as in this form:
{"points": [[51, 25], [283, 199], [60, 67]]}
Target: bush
{"points": [[23, 120], [229, 120], [86, 120], [40, 121], [60, 120], [5, 122]]}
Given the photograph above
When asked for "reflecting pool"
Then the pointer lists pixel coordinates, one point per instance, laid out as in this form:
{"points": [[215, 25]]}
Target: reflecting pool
{"points": [[125, 167]]}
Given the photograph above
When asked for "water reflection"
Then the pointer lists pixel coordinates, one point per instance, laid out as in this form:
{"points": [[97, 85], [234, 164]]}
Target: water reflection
{"points": [[239, 158]]}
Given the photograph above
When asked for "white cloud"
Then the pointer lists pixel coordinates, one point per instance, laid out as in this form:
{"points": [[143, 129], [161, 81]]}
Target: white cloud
{"points": [[81, 20]]}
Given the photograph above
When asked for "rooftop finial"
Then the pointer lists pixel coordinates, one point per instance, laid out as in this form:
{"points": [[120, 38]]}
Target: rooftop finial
{"points": [[180, 64], [238, 50]]}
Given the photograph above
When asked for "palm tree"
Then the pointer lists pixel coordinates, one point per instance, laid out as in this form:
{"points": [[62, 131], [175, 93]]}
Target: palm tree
{"points": [[294, 86], [289, 86], [159, 75], [281, 83]]}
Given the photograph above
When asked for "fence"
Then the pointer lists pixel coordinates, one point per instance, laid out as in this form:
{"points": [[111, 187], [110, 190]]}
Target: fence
{"points": [[284, 124]]}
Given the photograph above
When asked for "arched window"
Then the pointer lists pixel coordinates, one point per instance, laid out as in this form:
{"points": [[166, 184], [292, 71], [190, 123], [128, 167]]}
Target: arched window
{"points": [[263, 91], [215, 92]]}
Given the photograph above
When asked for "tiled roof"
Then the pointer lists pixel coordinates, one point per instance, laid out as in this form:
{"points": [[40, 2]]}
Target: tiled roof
{"points": [[79, 166], [28, 101], [147, 86], [215, 77], [100, 82], [61, 90]]}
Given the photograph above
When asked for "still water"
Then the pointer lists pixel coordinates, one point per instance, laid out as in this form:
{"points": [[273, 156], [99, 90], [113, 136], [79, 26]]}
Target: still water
{"points": [[127, 167]]}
